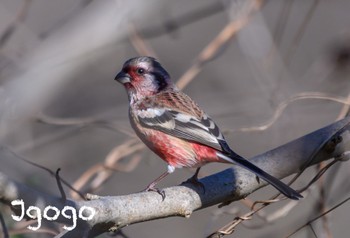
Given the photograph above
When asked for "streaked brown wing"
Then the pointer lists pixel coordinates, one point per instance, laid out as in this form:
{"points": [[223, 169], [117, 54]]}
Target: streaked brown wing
{"points": [[178, 115]]}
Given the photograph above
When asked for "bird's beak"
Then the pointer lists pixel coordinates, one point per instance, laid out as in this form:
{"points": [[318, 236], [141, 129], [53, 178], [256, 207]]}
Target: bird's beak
{"points": [[123, 77]]}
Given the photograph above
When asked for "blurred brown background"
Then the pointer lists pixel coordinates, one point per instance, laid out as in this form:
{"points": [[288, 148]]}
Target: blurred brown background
{"points": [[61, 108]]}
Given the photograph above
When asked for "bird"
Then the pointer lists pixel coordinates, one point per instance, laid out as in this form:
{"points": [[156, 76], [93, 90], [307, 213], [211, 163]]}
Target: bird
{"points": [[175, 128]]}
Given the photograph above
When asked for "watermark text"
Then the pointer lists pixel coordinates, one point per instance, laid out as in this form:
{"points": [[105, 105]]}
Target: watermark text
{"points": [[52, 213]]}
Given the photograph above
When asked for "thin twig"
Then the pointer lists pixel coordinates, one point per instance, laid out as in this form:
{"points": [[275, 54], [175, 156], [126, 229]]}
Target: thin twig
{"points": [[4, 227], [300, 33], [139, 43], [101, 172], [282, 21], [59, 185], [215, 45], [173, 24], [318, 175], [39, 231], [66, 17], [20, 17], [230, 227], [319, 216], [345, 109], [296, 40], [81, 122], [283, 105], [75, 124], [322, 202], [21, 227], [52, 173]]}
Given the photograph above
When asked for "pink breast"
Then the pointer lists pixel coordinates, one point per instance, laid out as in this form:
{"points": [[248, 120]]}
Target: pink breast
{"points": [[180, 153]]}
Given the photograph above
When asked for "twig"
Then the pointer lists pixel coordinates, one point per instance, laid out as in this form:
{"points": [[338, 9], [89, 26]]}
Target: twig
{"points": [[172, 24], [76, 124], [20, 17], [215, 45], [4, 227], [319, 216], [66, 17], [283, 105], [282, 20], [59, 185], [80, 122], [230, 227], [345, 109], [39, 231], [300, 33], [322, 202], [101, 172], [139, 44], [319, 175], [21, 228], [292, 48], [52, 173]]}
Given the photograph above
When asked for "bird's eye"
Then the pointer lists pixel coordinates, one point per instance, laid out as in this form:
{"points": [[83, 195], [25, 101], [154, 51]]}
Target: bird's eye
{"points": [[140, 71]]}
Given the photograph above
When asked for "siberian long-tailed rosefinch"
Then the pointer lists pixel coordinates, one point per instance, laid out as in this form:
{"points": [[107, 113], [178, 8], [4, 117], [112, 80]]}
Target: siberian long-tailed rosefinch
{"points": [[172, 125]]}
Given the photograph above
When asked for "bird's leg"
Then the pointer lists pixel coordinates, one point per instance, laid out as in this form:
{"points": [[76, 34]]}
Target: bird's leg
{"points": [[151, 186], [195, 176], [194, 180]]}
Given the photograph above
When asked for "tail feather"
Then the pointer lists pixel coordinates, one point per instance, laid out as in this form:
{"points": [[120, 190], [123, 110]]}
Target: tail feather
{"points": [[278, 184]]}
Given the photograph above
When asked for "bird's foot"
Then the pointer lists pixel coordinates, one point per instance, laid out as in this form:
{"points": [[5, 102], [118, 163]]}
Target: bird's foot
{"points": [[257, 179], [153, 189], [194, 180]]}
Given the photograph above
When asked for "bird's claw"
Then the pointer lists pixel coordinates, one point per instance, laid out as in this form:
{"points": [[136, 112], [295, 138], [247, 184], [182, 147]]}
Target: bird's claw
{"points": [[257, 179], [153, 189]]}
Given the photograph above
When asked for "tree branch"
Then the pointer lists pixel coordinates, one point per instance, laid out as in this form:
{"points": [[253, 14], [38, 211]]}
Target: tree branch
{"points": [[229, 185]]}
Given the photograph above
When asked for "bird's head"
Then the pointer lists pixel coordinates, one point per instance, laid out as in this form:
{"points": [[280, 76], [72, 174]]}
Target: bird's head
{"points": [[144, 76]]}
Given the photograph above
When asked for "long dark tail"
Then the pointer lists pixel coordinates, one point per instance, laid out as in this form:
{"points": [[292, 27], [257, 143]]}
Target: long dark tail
{"points": [[279, 185]]}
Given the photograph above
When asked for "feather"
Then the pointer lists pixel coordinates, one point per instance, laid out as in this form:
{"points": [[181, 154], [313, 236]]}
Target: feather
{"points": [[178, 116]]}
